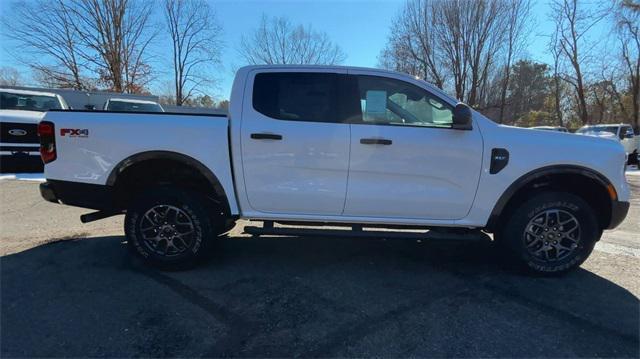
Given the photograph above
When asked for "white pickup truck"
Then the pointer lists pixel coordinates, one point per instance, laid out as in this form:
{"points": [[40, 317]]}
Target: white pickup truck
{"points": [[20, 112], [339, 146], [617, 132]]}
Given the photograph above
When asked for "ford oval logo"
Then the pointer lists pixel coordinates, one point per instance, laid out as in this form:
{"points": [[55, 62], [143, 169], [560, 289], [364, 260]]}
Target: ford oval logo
{"points": [[17, 132]]}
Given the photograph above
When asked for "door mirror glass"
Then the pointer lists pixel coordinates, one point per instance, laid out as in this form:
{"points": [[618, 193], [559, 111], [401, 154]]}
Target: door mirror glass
{"points": [[462, 117]]}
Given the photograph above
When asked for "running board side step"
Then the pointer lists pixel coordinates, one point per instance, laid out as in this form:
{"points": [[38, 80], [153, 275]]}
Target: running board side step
{"points": [[470, 235]]}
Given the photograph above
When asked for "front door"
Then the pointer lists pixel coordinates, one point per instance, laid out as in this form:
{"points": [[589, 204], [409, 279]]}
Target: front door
{"points": [[295, 154], [406, 160]]}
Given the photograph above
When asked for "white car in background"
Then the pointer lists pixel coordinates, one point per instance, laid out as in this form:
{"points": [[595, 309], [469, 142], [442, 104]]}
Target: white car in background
{"points": [[618, 132], [20, 112], [131, 105]]}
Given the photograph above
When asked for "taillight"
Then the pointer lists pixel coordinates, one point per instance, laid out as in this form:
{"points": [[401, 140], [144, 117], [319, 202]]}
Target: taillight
{"points": [[46, 132]]}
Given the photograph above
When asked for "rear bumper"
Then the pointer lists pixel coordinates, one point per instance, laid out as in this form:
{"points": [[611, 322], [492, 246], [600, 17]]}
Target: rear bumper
{"points": [[77, 194], [619, 212]]}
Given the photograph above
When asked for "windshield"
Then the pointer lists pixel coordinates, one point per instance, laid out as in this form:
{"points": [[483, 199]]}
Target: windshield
{"points": [[42, 103], [133, 106], [595, 129]]}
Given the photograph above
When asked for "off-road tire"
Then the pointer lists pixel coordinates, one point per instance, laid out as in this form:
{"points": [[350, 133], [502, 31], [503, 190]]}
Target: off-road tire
{"points": [[538, 215], [192, 211]]}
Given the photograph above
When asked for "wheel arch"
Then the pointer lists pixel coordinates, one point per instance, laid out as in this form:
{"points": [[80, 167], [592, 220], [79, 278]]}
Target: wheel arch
{"points": [[586, 182], [120, 171]]}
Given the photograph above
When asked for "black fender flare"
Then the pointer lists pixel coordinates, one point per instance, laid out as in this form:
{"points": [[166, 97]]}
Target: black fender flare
{"points": [[529, 177], [123, 165]]}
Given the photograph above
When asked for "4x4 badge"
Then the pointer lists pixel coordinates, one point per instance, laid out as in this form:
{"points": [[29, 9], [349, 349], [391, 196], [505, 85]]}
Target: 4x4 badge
{"points": [[74, 132]]}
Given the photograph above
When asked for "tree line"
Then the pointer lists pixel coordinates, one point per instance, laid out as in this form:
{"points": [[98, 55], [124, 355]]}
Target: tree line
{"points": [[106, 45], [474, 49]]}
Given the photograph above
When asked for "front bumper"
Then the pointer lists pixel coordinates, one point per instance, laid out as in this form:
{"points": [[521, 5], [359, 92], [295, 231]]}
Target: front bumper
{"points": [[619, 212]]}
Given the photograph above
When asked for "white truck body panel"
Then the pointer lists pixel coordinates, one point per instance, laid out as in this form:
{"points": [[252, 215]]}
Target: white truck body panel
{"points": [[305, 173], [531, 150], [113, 138]]}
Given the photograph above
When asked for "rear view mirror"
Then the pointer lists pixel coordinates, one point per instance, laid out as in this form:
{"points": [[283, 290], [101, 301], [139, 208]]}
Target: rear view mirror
{"points": [[462, 117]]}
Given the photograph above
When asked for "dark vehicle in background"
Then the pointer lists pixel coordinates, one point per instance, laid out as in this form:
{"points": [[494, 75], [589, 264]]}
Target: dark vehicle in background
{"points": [[131, 105], [20, 113]]}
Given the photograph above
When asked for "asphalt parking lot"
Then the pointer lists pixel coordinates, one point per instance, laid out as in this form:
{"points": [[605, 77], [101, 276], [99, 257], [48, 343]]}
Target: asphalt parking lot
{"points": [[69, 289]]}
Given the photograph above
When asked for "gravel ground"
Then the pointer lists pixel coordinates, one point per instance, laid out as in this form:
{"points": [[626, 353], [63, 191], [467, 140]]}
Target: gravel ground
{"points": [[273, 297]]}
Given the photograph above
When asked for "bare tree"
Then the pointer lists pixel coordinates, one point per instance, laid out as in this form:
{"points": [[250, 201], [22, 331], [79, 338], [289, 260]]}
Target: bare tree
{"points": [[44, 29], [115, 35], [66, 38], [412, 46], [485, 33], [572, 24], [554, 48], [628, 31], [278, 41], [9, 76], [455, 44], [516, 25], [195, 36]]}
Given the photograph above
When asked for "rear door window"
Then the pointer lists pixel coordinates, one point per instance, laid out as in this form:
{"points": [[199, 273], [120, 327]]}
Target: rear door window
{"points": [[296, 96]]}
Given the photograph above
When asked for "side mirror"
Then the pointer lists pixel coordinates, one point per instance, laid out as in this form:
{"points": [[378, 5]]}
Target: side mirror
{"points": [[462, 117]]}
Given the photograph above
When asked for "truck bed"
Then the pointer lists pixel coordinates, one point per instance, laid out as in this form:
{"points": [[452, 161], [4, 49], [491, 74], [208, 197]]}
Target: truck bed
{"points": [[93, 143]]}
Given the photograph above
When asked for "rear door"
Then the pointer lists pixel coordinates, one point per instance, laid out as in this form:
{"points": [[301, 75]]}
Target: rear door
{"points": [[406, 160], [295, 152]]}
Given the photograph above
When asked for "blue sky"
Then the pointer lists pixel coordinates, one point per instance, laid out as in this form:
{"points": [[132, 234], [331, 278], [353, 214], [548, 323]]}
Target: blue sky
{"points": [[359, 27]]}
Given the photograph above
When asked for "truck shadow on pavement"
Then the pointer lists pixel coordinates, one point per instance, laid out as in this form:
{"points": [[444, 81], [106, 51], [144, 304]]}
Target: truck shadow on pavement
{"points": [[310, 297]]}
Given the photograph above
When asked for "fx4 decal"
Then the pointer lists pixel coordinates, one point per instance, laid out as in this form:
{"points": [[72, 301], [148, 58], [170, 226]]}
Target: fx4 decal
{"points": [[74, 132]]}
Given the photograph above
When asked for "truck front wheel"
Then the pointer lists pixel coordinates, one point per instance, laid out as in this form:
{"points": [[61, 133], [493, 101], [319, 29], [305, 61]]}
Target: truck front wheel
{"points": [[170, 226], [552, 232]]}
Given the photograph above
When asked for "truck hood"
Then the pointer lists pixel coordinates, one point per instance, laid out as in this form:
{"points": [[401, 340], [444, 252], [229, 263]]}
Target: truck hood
{"points": [[532, 149], [19, 116], [601, 134], [560, 140]]}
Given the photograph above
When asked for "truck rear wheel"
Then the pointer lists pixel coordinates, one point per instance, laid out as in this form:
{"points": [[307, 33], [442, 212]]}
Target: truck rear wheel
{"points": [[552, 233], [171, 226]]}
